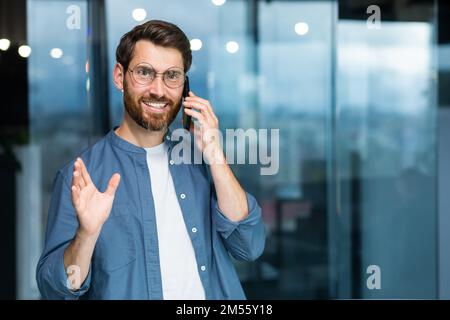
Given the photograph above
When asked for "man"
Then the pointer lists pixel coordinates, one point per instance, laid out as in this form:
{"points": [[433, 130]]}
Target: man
{"points": [[160, 230]]}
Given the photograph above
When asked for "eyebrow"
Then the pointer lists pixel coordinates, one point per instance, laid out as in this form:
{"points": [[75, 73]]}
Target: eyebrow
{"points": [[148, 64]]}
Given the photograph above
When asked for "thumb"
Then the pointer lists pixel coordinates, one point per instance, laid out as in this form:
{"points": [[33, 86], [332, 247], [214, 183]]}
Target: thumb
{"points": [[113, 184]]}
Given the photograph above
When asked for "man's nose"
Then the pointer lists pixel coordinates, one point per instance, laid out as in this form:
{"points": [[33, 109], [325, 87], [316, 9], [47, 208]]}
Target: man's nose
{"points": [[157, 86]]}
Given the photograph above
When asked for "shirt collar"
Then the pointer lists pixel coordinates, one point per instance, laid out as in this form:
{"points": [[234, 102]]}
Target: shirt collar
{"points": [[117, 141]]}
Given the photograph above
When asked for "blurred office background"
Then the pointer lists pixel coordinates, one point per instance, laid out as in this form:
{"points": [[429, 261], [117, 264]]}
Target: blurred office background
{"points": [[363, 109]]}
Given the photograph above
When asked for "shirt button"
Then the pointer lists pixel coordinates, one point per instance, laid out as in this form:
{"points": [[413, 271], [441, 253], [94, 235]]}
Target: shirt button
{"points": [[194, 230], [171, 162], [182, 196], [203, 268]]}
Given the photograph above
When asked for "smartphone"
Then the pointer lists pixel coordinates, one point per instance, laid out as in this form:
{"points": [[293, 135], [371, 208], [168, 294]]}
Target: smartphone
{"points": [[186, 118]]}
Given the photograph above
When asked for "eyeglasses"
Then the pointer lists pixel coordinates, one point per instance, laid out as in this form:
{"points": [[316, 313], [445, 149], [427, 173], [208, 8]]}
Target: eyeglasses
{"points": [[144, 74]]}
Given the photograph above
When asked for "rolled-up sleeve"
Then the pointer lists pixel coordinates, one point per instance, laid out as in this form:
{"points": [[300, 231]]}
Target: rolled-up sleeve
{"points": [[245, 239], [62, 224]]}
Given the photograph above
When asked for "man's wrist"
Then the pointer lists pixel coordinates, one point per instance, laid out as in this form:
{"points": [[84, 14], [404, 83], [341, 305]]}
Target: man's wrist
{"points": [[84, 235]]}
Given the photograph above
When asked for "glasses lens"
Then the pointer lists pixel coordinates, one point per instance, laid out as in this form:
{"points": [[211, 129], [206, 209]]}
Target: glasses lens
{"points": [[144, 74], [174, 77]]}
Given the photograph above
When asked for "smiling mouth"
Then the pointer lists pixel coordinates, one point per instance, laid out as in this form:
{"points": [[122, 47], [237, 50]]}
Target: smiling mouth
{"points": [[158, 107]]}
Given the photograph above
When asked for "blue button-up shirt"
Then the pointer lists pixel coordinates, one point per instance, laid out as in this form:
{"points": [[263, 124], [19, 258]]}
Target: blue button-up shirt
{"points": [[125, 262]]}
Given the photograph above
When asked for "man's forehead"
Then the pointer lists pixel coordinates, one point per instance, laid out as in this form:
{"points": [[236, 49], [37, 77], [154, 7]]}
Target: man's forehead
{"points": [[161, 58]]}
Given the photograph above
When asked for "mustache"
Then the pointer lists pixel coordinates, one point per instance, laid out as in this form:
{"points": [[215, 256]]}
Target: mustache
{"points": [[154, 99]]}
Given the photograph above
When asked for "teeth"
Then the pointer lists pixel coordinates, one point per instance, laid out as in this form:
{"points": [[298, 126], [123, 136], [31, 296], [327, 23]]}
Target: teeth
{"points": [[155, 105]]}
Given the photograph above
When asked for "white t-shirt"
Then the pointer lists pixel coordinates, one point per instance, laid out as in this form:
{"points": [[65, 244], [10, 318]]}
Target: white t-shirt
{"points": [[179, 270]]}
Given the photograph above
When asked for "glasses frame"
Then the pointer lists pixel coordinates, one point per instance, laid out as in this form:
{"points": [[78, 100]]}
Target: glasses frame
{"points": [[156, 74]]}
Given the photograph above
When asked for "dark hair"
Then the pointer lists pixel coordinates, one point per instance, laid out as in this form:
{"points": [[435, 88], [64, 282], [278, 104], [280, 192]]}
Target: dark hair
{"points": [[160, 33]]}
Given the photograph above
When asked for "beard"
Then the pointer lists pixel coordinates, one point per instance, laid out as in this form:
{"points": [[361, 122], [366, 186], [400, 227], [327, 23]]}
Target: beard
{"points": [[146, 119]]}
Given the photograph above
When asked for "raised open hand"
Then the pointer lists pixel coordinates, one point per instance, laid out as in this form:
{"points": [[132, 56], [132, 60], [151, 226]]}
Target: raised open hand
{"points": [[92, 206]]}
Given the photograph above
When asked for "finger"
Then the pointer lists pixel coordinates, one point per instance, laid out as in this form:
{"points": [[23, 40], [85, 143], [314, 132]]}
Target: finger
{"points": [[75, 196], [208, 106], [205, 110], [79, 178], [84, 172], [197, 99], [81, 183], [197, 115], [200, 120], [197, 132], [211, 115], [113, 184], [201, 103], [75, 175], [195, 105]]}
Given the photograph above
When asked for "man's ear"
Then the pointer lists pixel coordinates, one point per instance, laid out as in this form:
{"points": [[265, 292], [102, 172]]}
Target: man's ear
{"points": [[118, 76]]}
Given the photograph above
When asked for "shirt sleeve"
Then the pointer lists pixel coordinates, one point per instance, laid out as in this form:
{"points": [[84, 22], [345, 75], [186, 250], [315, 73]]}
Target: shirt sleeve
{"points": [[62, 224], [245, 239]]}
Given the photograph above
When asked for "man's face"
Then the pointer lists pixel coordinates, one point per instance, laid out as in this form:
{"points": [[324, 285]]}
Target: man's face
{"points": [[138, 98]]}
